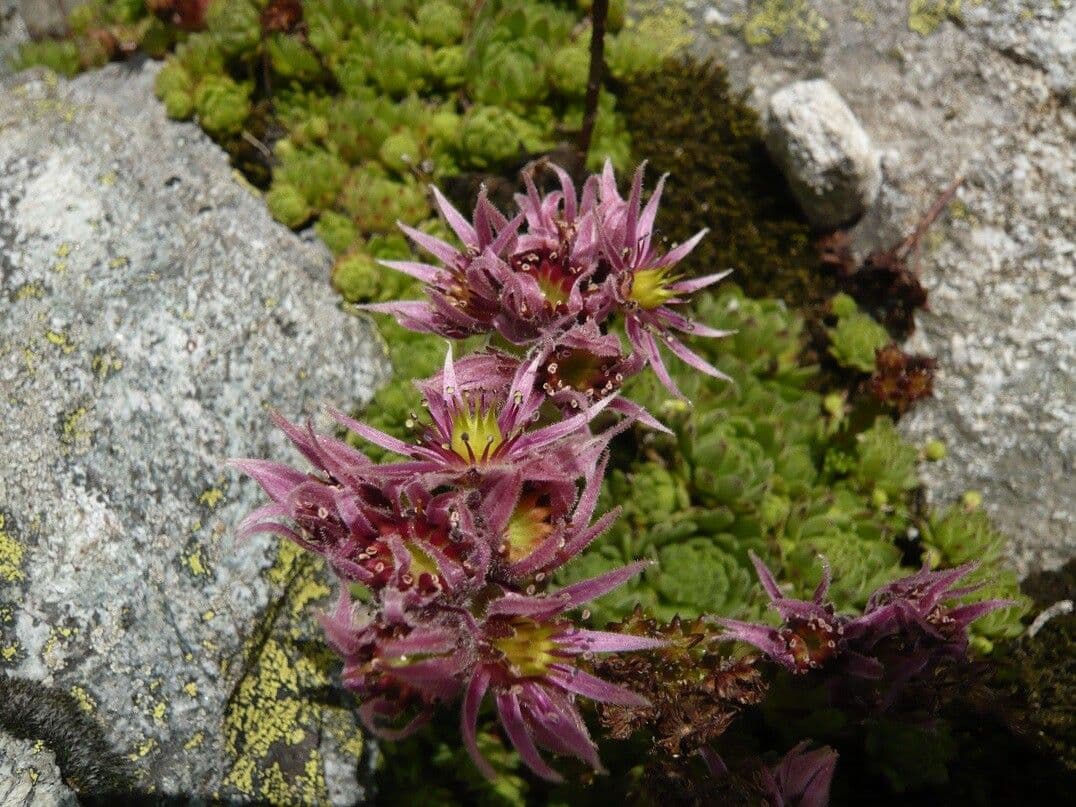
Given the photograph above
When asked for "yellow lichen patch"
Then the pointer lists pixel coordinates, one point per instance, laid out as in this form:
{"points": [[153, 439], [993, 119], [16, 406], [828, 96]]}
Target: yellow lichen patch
{"points": [[341, 726], [160, 711], [8, 652], [108, 178], [63, 250], [211, 497], [208, 615], [71, 428], [194, 742], [117, 262], [861, 13], [196, 562], [767, 20], [309, 591], [11, 555], [29, 291], [272, 728], [284, 566], [104, 363], [51, 652], [85, 702], [61, 340], [925, 16], [142, 749], [191, 689]]}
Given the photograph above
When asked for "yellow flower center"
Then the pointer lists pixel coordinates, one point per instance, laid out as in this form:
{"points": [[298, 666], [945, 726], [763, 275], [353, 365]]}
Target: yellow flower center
{"points": [[530, 649], [476, 434], [527, 528], [650, 287], [421, 562], [552, 288]]}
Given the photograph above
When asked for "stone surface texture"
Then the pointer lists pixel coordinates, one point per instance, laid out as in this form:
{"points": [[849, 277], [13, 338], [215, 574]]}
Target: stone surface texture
{"points": [[46, 17], [150, 314], [29, 776], [826, 156], [982, 89], [12, 34]]}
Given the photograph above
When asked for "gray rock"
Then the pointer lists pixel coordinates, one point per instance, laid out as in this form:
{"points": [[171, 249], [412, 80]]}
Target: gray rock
{"points": [[984, 96], [150, 314], [824, 152], [12, 34], [1043, 35], [46, 17], [29, 776]]}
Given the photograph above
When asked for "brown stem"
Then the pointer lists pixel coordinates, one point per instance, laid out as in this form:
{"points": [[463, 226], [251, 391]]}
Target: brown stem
{"points": [[598, 12], [911, 243]]}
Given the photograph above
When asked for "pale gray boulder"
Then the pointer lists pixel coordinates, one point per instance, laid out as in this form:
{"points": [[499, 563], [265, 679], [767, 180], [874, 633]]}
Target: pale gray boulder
{"points": [[831, 166], [151, 313]]}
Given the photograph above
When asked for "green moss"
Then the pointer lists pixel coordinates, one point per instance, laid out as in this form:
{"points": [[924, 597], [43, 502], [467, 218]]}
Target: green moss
{"points": [[709, 140]]}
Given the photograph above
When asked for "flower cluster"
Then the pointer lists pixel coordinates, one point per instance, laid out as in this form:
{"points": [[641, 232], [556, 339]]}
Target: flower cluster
{"points": [[455, 542], [907, 629], [580, 262]]}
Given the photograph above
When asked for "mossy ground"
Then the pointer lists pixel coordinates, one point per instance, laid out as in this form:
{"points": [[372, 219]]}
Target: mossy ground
{"points": [[707, 138]]}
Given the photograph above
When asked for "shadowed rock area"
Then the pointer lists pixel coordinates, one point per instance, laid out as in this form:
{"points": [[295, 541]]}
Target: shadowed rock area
{"points": [[982, 89], [150, 314]]}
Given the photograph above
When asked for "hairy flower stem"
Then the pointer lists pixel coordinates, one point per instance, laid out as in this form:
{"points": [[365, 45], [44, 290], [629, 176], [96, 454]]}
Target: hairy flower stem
{"points": [[598, 12]]}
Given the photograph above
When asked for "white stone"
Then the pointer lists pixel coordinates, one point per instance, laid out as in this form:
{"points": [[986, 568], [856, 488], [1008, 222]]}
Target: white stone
{"points": [[829, 161]]}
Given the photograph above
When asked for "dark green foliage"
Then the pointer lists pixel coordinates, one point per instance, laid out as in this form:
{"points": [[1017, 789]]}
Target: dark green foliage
{"points": [[432, 768], [746, 470], [1043, 671], [708, 139], [856, 337]]}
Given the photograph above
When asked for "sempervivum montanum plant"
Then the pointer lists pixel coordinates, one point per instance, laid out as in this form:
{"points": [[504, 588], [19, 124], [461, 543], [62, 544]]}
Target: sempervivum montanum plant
{"points": [[455, 541], [582, 262], [456, 536], [907, 629]]}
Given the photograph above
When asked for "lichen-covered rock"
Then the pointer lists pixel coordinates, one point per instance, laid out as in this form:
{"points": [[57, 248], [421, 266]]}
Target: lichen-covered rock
{"points": [[150, 314], [829, 161], [29, 776], [987, 98]]}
